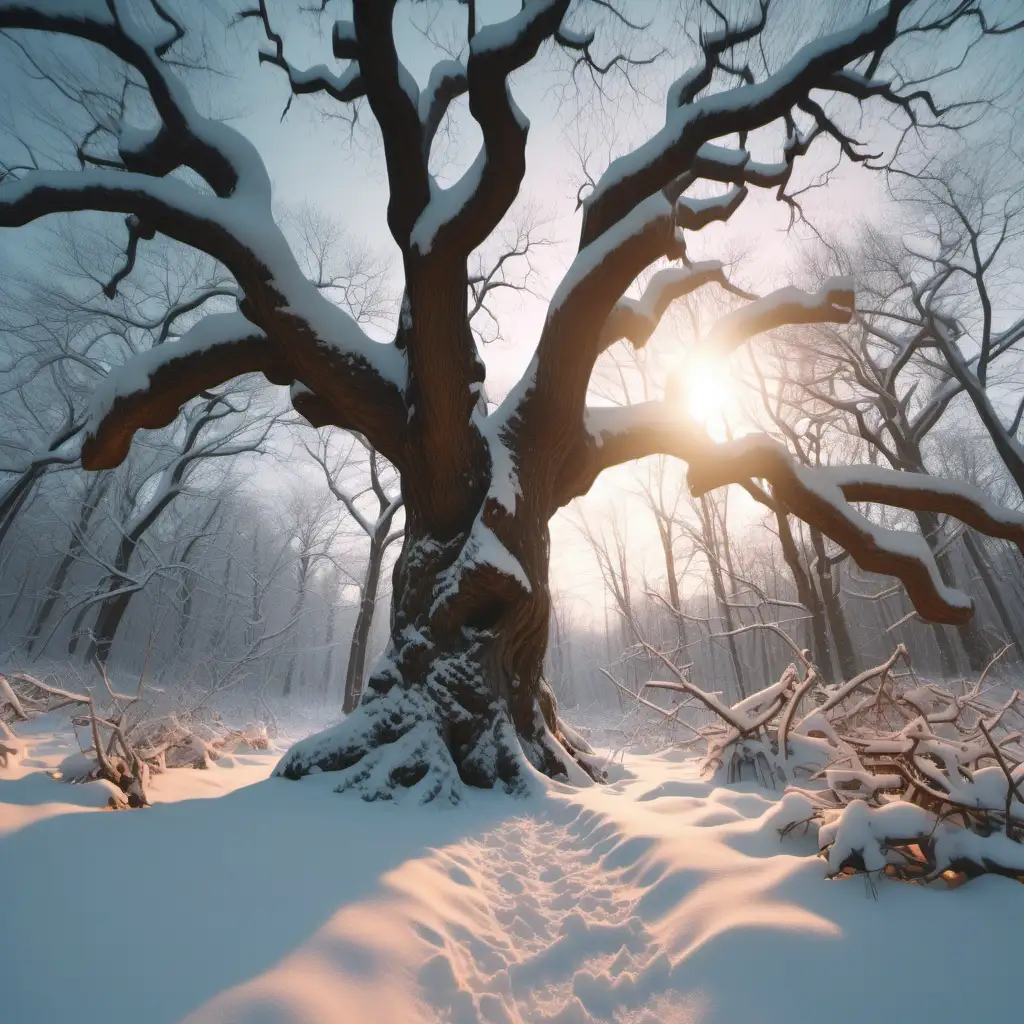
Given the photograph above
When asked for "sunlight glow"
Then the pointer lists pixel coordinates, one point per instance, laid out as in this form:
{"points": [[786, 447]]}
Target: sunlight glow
{"points": [[708, 388]]}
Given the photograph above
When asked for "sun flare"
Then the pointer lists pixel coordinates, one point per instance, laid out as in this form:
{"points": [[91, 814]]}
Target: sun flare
{"points": [[708, 388]]}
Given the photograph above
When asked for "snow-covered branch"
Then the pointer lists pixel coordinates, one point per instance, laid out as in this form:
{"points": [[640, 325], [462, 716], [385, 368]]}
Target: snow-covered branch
{"points": [[148, 390], [833, 303], [232, 221], [823, 497], [636, 319], [463, 216], [693, 120]]}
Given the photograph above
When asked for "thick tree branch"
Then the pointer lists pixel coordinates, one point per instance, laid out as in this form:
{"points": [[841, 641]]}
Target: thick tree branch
{"points": [[394, 99], [823, 497], [149, 390], [636, 319], [832, 303], [462, 217], [692, 122]]}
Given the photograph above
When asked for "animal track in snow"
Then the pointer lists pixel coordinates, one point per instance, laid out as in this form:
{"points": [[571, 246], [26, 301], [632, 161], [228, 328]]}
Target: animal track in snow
{"points": [[564, 946]]}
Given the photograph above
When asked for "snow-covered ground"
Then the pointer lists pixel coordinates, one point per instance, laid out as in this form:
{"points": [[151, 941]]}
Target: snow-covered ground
{"points": [[657, 898]]}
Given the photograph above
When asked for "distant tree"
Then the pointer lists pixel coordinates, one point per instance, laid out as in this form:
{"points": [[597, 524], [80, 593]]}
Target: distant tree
{"points": [[381, 531]]}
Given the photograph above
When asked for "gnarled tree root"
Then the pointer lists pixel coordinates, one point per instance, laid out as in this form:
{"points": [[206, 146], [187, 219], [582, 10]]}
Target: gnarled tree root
{"points": [[405, 739]]}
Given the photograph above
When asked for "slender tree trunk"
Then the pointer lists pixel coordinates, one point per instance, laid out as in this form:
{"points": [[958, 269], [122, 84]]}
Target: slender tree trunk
{"points": [[846, 654], [77, 626], [725, 612], [711, 544], [113, 607], [807, 595], [108, 621], [15, 500], [995, 593], [356, 670], [16, 603], [332, 625], [188, 586], [300, 601], [90, 502], [665, 532], [219, 632], [976, 647]]}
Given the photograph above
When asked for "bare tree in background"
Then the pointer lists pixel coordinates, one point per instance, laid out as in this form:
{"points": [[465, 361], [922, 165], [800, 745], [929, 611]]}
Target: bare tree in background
{"points": [[223, 426], [381, 531], [459, 697], [961, 284], [882, 378]]}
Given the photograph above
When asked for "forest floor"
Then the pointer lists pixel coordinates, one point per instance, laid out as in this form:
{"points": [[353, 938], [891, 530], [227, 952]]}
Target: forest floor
{"points": [[241, 899]]}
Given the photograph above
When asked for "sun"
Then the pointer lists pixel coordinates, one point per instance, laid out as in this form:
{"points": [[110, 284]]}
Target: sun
{"points": [[708, 388]]}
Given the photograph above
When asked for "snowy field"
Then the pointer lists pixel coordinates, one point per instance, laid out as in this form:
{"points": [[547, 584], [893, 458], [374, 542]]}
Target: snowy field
{"points": [[240, 899]]}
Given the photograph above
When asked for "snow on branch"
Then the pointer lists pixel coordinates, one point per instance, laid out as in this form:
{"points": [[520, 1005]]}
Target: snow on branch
{"points": [[833, 303], [222, 156], [897, 776], [692, 213], [636, 319], [447, 82], [464, 215], [231, 220], [343, 88], [148, 390], [696, 117], [737, 167], [823, 497]]}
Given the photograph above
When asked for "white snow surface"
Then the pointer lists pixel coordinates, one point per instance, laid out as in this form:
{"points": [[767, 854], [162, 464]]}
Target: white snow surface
{"points": [[657, 898]]}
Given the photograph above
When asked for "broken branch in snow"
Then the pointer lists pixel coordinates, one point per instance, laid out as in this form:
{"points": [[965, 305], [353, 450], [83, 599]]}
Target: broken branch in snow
{"points": [[146, 744]]}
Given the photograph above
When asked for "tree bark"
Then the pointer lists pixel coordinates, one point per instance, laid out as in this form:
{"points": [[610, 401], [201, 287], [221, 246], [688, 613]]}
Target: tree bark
{"points": [[459, 696]]}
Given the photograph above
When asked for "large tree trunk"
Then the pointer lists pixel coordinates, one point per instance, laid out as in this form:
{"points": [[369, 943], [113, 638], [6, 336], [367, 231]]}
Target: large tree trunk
{"points": [[458, 697]]}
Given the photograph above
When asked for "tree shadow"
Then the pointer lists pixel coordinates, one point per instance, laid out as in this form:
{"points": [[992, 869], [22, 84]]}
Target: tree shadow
{"points": [[147, 915]]}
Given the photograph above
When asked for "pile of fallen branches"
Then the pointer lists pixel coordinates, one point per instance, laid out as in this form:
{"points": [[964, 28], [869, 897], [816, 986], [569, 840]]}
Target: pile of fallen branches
{"points": [[930, 783], [123, 746], [901, 776]]}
